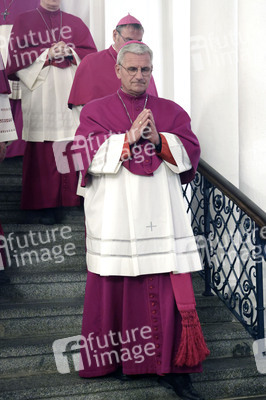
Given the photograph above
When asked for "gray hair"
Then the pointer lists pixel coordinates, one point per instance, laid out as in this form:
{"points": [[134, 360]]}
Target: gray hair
{"points": [[135, 48], [137, 27]]}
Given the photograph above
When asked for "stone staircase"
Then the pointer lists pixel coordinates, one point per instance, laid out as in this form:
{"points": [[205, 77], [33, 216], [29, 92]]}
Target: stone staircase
{"points": [[44, 302]]}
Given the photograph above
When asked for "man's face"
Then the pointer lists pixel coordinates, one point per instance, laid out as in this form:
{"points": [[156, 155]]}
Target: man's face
{"points": [[127, 33], [138, 83], [51, 5]]}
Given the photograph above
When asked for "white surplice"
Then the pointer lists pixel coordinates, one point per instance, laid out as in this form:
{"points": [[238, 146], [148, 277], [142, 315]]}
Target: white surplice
{"points": [[7, 127], [5, 31], [45, 91], [136, 224]]}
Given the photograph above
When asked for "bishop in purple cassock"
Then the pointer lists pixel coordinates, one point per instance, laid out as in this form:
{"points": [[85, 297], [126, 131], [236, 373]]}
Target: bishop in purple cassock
{"points": [[95, 76], [45, 47], [135, 150]]}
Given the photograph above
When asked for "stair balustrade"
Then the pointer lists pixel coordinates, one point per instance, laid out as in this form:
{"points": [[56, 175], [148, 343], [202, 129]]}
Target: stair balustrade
{"points": [[230, 231]]}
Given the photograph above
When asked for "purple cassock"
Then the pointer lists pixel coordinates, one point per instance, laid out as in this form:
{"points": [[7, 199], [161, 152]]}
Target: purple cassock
{"points": [[132, 322], [96, 127], [31, 34], [96, 77], [11, 9], [43, 185], [8, 13]]}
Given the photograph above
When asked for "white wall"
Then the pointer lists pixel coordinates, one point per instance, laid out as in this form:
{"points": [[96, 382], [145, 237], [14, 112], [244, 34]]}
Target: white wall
{"points": [[252, 99], [92, 12], [214, 83], [228, 80]]}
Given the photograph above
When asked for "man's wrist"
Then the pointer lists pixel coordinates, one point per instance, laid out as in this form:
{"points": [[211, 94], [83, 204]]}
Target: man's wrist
{"points": [[129, 139]]}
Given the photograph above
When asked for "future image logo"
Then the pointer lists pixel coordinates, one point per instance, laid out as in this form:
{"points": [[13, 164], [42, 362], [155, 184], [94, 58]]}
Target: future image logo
{"points": [[31, 248], [105, 349]]}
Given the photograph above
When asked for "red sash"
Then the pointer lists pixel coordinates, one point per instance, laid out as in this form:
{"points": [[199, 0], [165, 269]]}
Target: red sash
{"points": [[192, 349]]}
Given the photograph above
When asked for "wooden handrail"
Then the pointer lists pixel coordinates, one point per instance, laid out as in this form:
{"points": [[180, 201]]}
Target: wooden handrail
{"points": [[233, 193]]}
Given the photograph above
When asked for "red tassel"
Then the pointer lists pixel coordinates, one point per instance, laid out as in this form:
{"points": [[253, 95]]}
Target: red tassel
{"points": [[192, 349]]}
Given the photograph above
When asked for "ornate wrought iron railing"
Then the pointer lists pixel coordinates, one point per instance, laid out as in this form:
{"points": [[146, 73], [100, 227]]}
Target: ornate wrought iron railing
{"points": [[231, 234]]}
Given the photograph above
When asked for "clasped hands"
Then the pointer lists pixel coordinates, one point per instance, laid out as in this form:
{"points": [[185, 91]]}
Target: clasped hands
{"points": [[143, 126], [59, 50]]}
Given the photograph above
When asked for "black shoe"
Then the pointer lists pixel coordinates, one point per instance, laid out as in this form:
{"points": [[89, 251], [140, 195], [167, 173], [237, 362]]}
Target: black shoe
{"points": [[48, 216], [181, 384], [4, 279], [59, 215]]}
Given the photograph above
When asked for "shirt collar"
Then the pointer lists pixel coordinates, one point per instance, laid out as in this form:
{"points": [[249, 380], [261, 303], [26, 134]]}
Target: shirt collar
{"points": [[126, 96]]}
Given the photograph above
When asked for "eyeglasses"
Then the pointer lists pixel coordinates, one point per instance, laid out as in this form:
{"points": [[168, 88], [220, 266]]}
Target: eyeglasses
{"points": [[126, 39], [145, 71]]}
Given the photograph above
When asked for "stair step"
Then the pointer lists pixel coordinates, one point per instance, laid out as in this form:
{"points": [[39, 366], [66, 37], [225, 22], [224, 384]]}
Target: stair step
{"points": [[45, 286], [74, 388], [231, 340], [54, 231], [10, 182], [260, 397], [37, 318], [26, 355], [227, 377], [9, 196], [57, 261], [32, 247], [221, 379], [211, 309], [11, 213], [42, 244], [11, 166]]}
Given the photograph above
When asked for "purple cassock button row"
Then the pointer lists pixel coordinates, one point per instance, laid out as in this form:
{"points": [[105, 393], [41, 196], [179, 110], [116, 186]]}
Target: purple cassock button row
{"points": [[154, 309]]}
